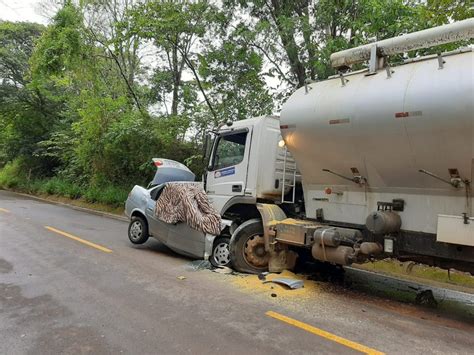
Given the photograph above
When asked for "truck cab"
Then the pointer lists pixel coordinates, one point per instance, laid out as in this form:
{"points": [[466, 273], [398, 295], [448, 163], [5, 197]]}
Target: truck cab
{"points": [[248, 162]]}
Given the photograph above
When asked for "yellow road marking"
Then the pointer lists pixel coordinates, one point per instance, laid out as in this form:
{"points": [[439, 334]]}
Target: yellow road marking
{"points": [[80, 240], [4, 210], [324, 334]]}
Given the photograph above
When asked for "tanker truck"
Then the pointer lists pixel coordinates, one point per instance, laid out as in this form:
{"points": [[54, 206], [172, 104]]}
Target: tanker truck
{"points": [[365, 165]]}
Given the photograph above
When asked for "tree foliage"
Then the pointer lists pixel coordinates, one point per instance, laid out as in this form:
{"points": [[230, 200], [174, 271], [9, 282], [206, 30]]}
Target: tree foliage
{"points": [[108, 85]]}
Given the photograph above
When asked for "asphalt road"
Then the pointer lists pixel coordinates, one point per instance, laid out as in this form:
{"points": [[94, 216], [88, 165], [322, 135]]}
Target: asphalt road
{"points": [[59, 295]]}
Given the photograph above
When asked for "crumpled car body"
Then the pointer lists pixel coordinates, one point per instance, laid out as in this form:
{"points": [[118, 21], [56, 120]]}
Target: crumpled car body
{"points": [[179, 237]]}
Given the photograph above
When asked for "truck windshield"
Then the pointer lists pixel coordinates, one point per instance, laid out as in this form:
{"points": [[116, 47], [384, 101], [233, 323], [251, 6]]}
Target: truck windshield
{"points": [[230, 150]]}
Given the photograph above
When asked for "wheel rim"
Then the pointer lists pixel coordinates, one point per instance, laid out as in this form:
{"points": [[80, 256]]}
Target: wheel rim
{"points": [[136, 230], [255, 253], [221, 254]]}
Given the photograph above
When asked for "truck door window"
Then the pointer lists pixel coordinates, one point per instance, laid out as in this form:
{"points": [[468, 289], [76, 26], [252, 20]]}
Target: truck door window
{"points": [[230, 150]]}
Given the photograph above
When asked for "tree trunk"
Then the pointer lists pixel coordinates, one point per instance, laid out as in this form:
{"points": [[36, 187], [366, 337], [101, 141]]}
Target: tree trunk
{"points": [[289, 43], [303, 13], [176, 81]]}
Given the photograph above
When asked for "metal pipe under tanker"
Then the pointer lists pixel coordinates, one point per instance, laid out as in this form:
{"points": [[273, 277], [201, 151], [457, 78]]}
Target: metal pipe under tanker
{"points": [[400, 142]]}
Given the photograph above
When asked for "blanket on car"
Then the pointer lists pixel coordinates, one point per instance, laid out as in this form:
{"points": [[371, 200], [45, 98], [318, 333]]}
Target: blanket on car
{"points": [[188, 203]]}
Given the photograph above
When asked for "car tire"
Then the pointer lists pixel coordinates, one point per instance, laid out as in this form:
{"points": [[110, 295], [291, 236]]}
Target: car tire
{"points": [[220, 252], [138, 230], [247, 248]]}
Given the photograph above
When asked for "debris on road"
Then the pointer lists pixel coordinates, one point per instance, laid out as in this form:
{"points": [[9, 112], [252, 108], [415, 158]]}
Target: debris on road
{"points": [[181, 277], [262, 284], [223, 270], [197, 265], [291, 283]]}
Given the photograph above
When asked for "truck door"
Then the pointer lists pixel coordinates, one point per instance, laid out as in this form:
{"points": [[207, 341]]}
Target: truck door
{"points": [[227, 171]]}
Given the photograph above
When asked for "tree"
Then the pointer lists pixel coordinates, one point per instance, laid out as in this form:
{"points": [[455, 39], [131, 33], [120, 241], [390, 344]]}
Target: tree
{"points": [[174, 28], [20, 108], [297, 37], [231, 70], [16, 46]]}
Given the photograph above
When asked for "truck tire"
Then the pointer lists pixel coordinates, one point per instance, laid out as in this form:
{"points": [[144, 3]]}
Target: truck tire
{"points": [[247, 248], [138, 230], [220, 252]]}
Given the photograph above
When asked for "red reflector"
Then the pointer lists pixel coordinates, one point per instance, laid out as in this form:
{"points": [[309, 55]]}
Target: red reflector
{"points": [[401, 114], [158, 163], [328, 190]]}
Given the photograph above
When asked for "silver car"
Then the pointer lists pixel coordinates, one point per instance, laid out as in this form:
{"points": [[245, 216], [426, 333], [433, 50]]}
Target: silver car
{"points": [[140, 208]]}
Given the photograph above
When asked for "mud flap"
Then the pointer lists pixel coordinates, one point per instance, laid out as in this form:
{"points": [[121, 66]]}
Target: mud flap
{"points": [[280, 257]]}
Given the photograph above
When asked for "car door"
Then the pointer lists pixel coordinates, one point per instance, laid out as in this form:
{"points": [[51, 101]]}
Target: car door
{"points": [[158, 229], [186, 240], [227, 172]]}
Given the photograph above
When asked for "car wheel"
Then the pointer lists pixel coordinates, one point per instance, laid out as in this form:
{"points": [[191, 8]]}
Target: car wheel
{"points": [[220, 252], [247, 248], [138, 230]]}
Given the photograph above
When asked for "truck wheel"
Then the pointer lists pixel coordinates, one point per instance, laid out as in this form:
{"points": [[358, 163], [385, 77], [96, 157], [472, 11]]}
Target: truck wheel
{"points": [[138, 230], [247, 248], [220, 252]]}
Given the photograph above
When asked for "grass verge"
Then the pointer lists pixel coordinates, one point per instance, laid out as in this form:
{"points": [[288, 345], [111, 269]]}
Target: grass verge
{"points": [[104, 198], [419, 272]]}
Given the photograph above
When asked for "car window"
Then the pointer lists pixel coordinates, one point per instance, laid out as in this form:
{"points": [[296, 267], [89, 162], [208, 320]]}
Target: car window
{"points": [[230, 150], [156, 192]]}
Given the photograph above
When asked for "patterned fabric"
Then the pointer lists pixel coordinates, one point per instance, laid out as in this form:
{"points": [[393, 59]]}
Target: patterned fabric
{"points": [[188, 203]]}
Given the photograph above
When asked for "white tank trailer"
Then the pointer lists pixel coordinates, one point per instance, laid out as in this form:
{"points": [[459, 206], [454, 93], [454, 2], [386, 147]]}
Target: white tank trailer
{"points": [[392, 149], [385, 160]]}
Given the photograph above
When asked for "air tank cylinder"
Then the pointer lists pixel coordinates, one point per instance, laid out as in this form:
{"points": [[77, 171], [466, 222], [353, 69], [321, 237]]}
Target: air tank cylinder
{"points": [[383, 222], [339, 255], [333, 236]]}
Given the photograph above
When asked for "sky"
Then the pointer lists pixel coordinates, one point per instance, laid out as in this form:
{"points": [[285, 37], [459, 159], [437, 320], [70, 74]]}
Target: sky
{"points": [[21, 10]]}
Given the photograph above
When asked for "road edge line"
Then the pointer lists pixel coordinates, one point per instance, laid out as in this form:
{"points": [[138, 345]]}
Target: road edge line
{"points": [[322, 333], [80, 240]]}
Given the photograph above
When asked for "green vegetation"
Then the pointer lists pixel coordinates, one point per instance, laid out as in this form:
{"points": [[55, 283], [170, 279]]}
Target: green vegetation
{"points": [[88, 100], [419, 272], [13, 177]]}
